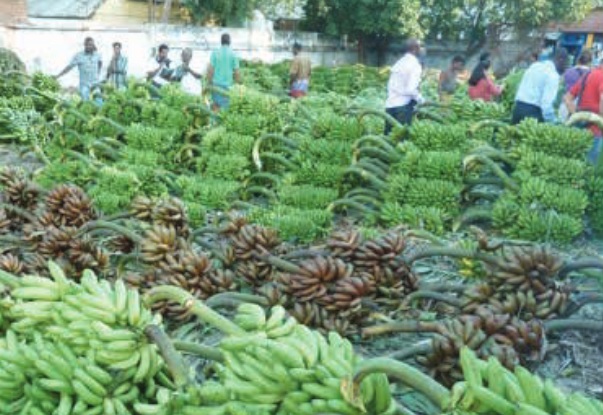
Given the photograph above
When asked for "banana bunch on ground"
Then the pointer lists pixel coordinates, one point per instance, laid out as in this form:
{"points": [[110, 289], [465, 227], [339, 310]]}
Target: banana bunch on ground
{"points": [[471, 110], [536, 192], [554, 140], [559, 170], [470, 267], [293, 224], [307, 197], [489, 333], [490, 388], [94, 316], [212, 193], [430, 136], [440, 194], [76, 348], [433, 165], [431, 219], [281, 367]]}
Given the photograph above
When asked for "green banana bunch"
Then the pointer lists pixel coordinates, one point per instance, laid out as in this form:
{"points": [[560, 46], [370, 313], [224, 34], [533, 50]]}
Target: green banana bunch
{"points": [[554, 140], [559, 170], [491, 388], [293, 224], [212, 193], [319, 174], [93, 317], [307, 197], [282, 367], [418, 217], [430, 136], [220, 141], [232, 167], [563, 199], [433, 165]]}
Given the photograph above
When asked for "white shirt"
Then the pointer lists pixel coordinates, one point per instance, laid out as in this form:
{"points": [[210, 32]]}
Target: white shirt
{"points": [[190, 84], [404, 81], [539, 86], [158, 79]]}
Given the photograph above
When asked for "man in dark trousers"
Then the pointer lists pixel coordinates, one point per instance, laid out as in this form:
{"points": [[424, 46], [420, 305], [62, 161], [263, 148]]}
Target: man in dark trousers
{"points": [[403, 86], [539, 88]]}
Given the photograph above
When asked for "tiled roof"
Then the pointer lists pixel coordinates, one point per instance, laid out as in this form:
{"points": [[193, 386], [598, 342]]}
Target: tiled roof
{"points": [[592, 24]]}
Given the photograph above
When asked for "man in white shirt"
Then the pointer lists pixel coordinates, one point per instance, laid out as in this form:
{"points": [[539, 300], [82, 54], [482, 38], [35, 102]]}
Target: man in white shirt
{"points": [[403, 86]]}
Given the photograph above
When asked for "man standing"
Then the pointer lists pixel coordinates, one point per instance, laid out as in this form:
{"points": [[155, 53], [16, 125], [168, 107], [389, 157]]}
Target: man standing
{"points": [[538, 89], [449, 78], [299, 73], [223, 72], [160, 71], [117, 71], [190, 81], [403, 86], [586, 95], [89, 64]]}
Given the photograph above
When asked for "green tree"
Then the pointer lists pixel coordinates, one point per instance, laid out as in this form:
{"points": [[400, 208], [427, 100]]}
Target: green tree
{"points": [[487, 21], [224, 12], [370, 22]]}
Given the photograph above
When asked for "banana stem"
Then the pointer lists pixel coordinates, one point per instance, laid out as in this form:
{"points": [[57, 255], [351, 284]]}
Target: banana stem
{"points": [[573, 324], [205, 352], [280, 263], [172, 358], [408, 326], [19, 211], [423, 347], [454, 253], [456, 288], [581, 264], [102, 224], [494, 168], [432, 295], [582, 300], [388, 118], [195, 306], [426, 235], [408, 375], [234, 299]]}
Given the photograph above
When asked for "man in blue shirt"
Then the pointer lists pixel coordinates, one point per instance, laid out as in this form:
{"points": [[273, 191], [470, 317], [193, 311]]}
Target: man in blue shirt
{"points": [[223, 72], [89, 64], [539, 88]]}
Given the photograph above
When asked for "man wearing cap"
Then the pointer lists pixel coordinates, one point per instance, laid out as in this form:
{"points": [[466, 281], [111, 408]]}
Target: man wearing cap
{"points": [[586, 95], [538, 90], [403, 86]]}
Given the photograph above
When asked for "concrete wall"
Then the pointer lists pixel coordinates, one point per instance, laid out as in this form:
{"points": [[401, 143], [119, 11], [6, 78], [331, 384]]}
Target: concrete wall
{"points": [[48, 45]]}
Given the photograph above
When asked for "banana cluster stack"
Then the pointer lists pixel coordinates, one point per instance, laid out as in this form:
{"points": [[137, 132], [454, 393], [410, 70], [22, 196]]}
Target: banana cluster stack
{"points": [[282, 367], [76, 348], [491, 388]]}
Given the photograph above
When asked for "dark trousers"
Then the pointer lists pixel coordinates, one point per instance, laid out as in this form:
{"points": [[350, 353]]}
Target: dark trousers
{"points": [[523, 111], [402, 114]]}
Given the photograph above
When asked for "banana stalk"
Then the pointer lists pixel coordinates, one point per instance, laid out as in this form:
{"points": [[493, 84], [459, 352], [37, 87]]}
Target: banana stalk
{"points": [[494, 168], [234, 299], [205, 352], [195, 306], [573, 324], [406, 374], [20, 212], [101, 224], [454, 253], [172, 358], [408, 326], [584, 263]]}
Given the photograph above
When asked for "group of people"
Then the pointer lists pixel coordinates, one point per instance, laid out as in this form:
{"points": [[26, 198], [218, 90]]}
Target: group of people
{"points": [[222, 72], [536, 96]]}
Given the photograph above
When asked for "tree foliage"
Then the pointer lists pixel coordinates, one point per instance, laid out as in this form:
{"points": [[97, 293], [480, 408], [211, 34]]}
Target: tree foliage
{"points": [[224, 11], [481, 20], [362, 19]]}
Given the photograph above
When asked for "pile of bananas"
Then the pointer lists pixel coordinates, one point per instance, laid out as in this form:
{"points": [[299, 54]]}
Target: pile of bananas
{"points": [[491, 388], [488, 333], [210, 193], [466, 109], [432, 165], [282, 367], [430, 136], [523, 285], [293, 224], [76, 348], [431, 219]]}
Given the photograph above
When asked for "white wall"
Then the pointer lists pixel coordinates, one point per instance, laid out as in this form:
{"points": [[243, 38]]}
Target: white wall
{"points": [[49, 45]]}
